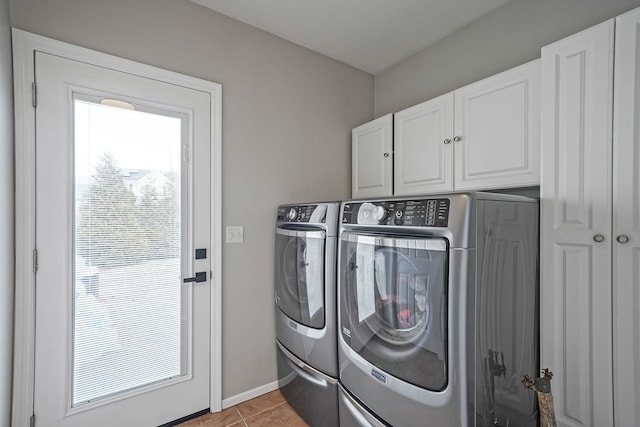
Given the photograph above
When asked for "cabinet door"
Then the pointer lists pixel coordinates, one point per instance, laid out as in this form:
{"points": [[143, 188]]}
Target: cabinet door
{"points": [[497, 121], [423, 148], [626, 222], [371, 158], [576, 342]]}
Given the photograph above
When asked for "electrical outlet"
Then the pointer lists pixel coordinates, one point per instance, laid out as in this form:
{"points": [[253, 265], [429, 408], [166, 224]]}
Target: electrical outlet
{"points": [[235, 234]]}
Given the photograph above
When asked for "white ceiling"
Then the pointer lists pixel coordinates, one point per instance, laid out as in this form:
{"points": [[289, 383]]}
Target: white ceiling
{"points": [[371, 35]]}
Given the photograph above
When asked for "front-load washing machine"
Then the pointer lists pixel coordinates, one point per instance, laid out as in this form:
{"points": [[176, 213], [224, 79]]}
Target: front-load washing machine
{"points": [[438, 311], [305, 298]]}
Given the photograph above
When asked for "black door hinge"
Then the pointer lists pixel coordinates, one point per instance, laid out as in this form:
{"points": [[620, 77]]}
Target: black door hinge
{"points": [[34, 95]]}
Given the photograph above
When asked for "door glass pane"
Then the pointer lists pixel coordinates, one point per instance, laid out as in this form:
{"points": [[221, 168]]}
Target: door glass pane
{"points": [[393, 297], [299, 276], [128, 299]]}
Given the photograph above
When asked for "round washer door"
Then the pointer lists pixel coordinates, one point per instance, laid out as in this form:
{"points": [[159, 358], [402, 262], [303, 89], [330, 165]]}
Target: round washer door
{"points": [[299, 275], [393, 300]]}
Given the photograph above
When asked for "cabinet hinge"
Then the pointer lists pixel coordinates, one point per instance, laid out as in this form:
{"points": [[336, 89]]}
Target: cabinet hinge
{"points": [[34, 95], [35, 260], [32, 421]]}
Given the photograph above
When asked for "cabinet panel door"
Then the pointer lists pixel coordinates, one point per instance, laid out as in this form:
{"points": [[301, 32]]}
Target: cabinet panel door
{"points": [[576, 341], [498, 122], [371, 151], [423, 147], [626, 222]]}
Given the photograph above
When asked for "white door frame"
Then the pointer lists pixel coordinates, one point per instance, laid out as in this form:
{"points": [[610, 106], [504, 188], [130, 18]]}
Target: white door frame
{"points": [[24, 47]]}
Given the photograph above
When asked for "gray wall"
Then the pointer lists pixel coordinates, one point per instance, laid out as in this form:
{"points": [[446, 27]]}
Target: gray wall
{"points": [[6, 215], [510, 35], [287, 115]]}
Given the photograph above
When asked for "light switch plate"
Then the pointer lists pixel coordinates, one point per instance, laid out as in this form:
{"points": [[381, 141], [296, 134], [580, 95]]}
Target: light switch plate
{"points": [[235, 234]]}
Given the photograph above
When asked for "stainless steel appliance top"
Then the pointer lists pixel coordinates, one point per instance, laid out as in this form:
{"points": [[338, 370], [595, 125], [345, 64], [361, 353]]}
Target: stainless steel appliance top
{"points": [[445, 215]]}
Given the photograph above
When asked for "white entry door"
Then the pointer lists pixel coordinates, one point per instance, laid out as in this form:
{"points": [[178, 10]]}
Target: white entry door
{"points": [[122, 233]]}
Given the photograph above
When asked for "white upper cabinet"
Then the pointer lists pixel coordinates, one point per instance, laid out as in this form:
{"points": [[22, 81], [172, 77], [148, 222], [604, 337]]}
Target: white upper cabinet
{"points": [[372, 158], [497, 131], [483, 136], [423, 149]]}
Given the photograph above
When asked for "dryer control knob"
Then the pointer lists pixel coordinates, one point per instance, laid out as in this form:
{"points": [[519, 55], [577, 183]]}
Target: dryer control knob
{"points": [[292, 214], [379, 213]]}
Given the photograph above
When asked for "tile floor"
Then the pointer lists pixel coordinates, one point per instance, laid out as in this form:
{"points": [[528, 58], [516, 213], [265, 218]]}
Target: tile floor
{"points": [[270, 409]]}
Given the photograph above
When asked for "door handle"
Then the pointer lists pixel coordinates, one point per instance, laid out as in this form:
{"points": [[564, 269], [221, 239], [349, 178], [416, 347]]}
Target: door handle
{"points": [[198, 278]]}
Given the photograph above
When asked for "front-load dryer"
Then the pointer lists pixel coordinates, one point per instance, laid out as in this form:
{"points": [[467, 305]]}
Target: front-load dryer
{"points": [[438, 311], [305, 298]]}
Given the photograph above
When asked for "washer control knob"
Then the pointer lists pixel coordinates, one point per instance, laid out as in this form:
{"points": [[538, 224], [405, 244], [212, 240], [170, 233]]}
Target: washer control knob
{"points": [[292, 214], [379, 213], [399, 217]]}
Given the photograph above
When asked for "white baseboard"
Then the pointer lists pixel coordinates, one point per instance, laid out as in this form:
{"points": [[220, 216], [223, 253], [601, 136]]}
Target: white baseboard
{"points": [[249, 394]]}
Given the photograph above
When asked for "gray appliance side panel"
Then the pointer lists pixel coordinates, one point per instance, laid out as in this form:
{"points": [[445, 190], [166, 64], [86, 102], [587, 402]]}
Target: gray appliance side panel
{"points": [[507, 337], [317, 347], [333, 213], [528, 195]]}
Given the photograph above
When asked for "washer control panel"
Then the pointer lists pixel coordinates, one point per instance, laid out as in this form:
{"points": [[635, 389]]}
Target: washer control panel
{"points": [[410, 213], [302, 213]]}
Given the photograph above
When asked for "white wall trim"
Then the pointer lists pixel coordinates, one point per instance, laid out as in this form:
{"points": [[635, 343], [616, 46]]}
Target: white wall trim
{"points": [[216, 250], [24, 319], [249, 394], [24, 47]]}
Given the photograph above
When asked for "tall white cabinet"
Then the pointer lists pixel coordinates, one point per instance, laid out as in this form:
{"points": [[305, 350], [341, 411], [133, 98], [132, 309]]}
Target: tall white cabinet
{"points": [[626, 221], [590, 224]]}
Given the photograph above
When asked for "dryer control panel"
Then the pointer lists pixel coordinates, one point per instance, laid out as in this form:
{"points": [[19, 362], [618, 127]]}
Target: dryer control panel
{"points": [[410, 213], [302, 213]]}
